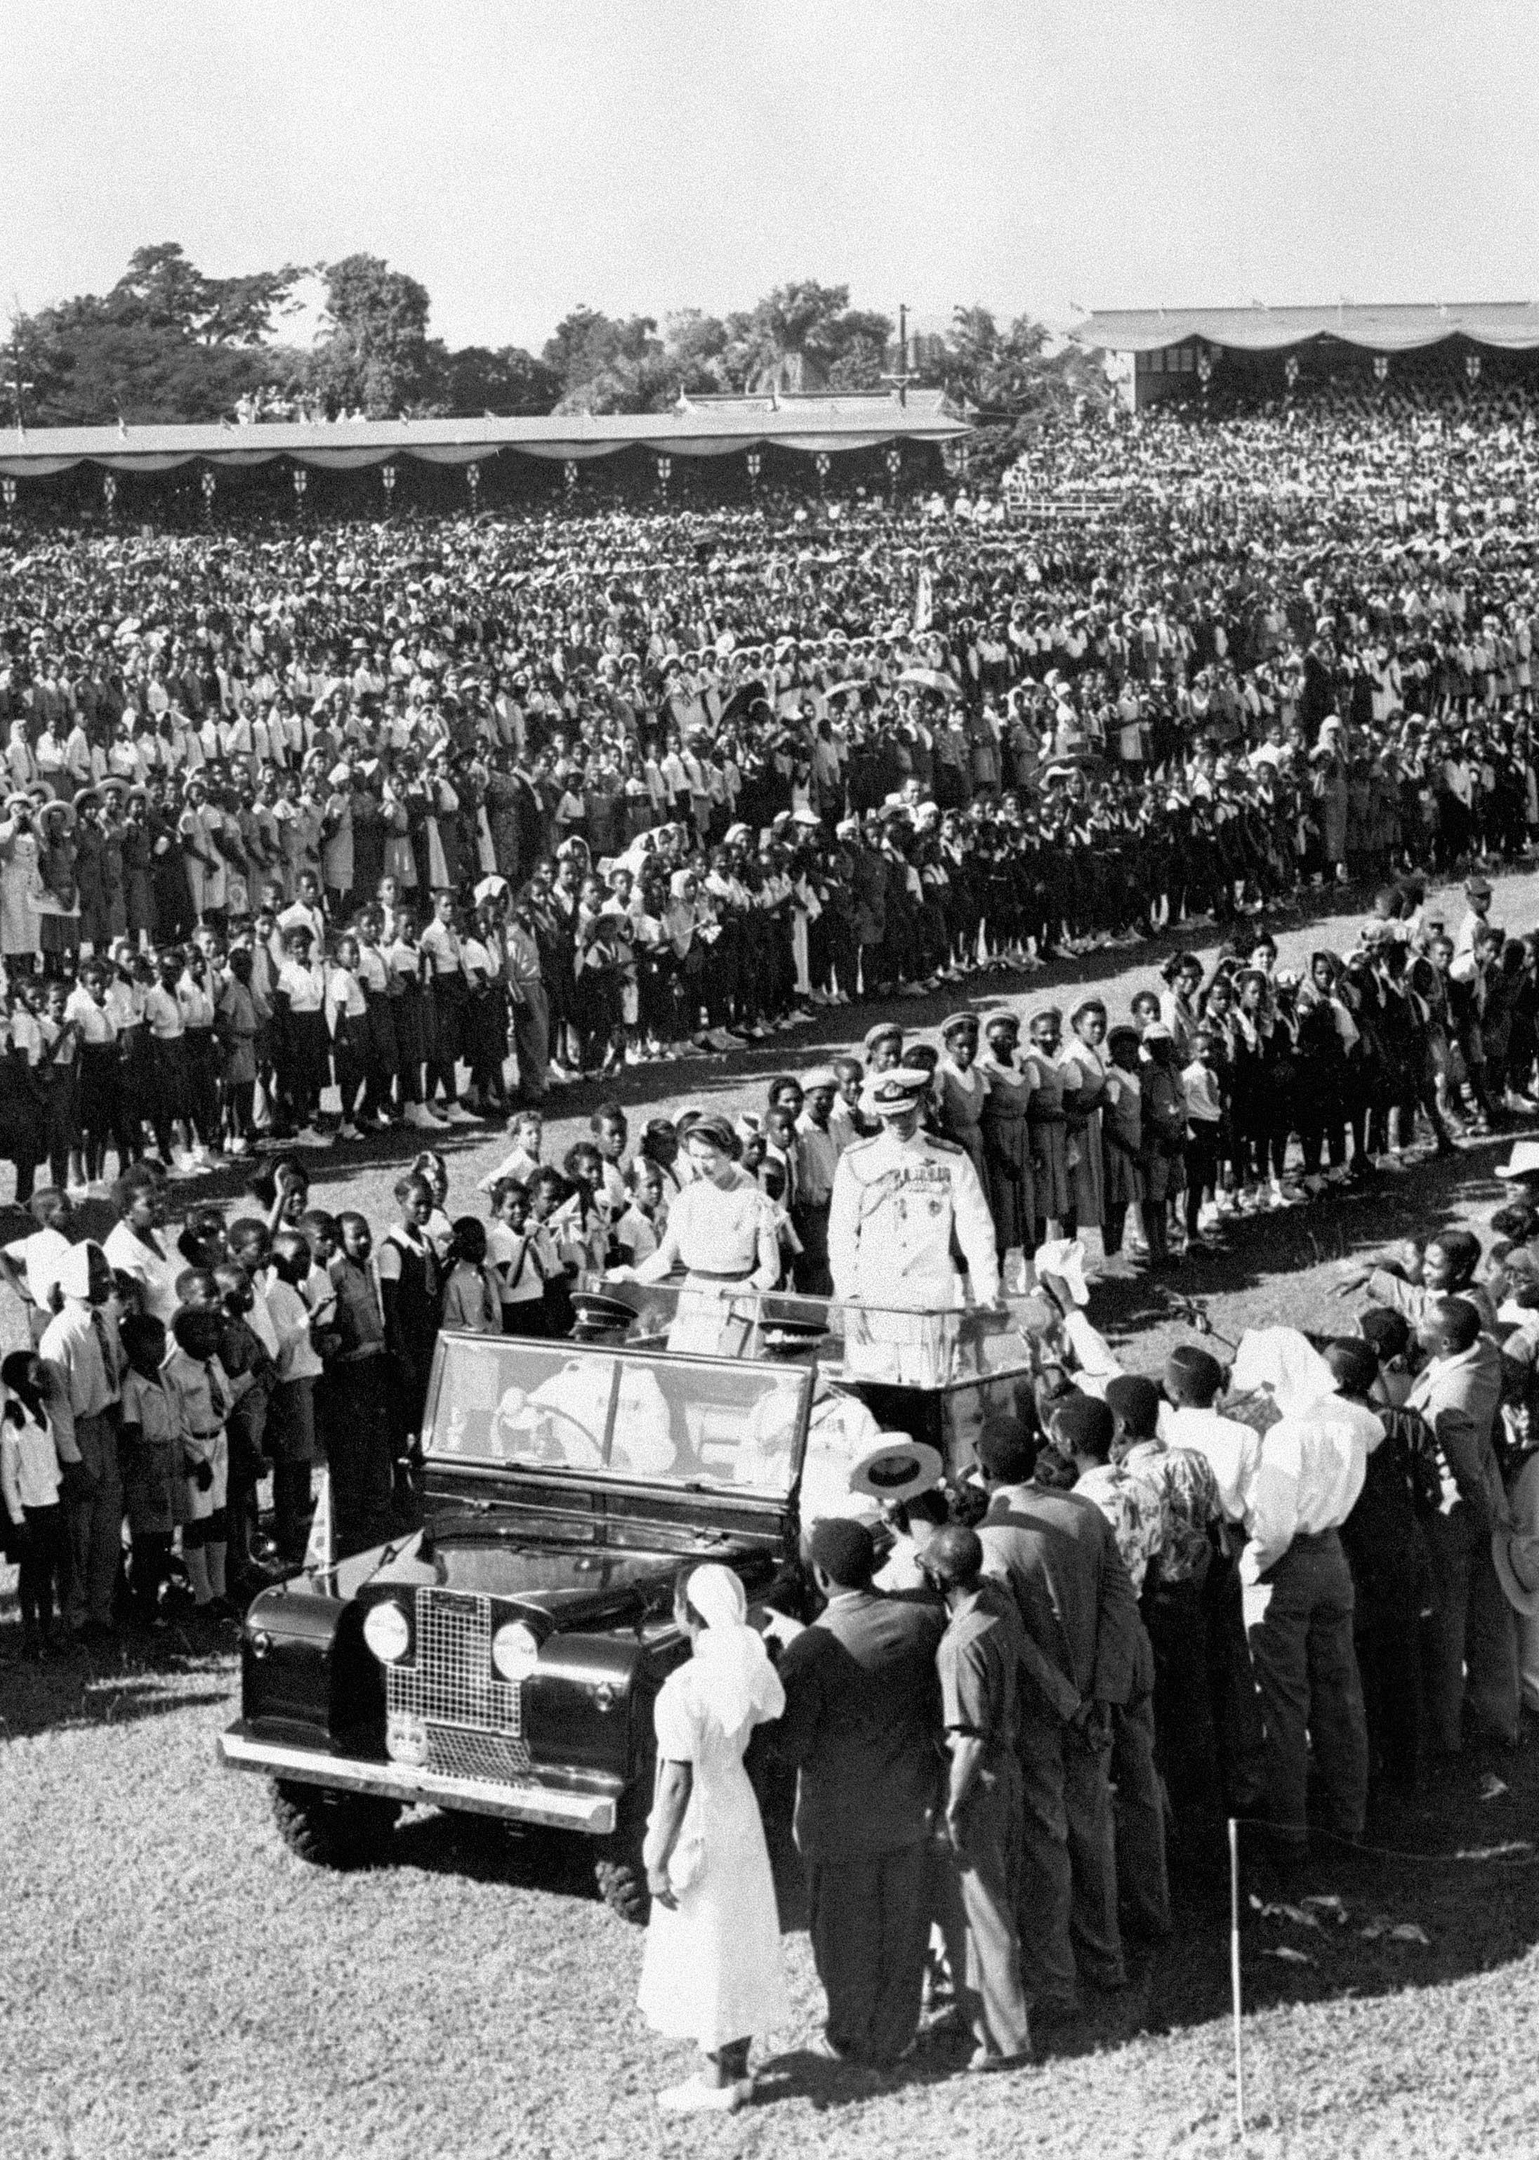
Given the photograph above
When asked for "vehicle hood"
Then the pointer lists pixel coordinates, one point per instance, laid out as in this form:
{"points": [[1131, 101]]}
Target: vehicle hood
{"points": [[574, 1586]]}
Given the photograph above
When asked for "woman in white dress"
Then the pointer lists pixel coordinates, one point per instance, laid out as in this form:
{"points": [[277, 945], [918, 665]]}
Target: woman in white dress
{"points": [[721, 1231], [712, 1969]]}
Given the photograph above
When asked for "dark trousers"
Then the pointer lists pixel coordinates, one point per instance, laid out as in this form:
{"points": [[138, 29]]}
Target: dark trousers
{"points": [[1232, 1691], [1068, 1902], [96, 1523], [40, 1573], [531, 1044], [359, 1454], [1470, 1627], [1201, 1167], [62, 1109], [810, 1267], [1143, 1885], [1184, 1744], [1386, 1633], [1298, 1620], [869, 1919], [151, 1566]]}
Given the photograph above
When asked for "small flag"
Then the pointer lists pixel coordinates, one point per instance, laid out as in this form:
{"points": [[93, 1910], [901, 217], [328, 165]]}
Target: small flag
{"points": [[320, 1557], [924, 601]]}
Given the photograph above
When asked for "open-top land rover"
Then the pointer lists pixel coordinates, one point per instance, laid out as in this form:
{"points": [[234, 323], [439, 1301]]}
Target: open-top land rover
{"points": [[504, 1658]]}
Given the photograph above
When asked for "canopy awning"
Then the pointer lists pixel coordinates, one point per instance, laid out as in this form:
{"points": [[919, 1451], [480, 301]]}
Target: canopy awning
{"points": [[711, 428], [1504, 325]]}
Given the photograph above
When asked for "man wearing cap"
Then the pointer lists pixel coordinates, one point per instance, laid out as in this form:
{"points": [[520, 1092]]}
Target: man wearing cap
{"points": [[900, 1203], [80, 1350], [817, 1160], [862, 1725], [1298, 1602]]}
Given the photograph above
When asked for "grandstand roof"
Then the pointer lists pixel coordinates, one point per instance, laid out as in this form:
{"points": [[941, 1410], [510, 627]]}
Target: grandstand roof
{"points": [[710, 427], [1508, 325]]}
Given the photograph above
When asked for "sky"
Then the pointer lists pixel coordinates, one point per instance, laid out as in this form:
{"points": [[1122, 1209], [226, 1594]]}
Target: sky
{"points": [[520, 159]]}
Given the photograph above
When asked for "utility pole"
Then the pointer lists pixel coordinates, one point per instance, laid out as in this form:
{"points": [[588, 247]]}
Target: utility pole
{"points": [[901, 376], [19, 388]]}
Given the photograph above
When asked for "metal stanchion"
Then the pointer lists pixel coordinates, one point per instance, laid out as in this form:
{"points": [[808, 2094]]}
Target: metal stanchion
{"points": [[1234, 1974]]}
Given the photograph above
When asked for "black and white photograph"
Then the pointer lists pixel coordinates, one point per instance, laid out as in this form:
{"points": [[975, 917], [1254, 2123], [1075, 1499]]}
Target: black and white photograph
{"points": [[769, 1080]]}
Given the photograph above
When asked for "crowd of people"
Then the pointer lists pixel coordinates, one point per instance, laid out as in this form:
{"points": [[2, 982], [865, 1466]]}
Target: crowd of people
{"points": [[415, 825], [1041, 1677], [686, 778]]}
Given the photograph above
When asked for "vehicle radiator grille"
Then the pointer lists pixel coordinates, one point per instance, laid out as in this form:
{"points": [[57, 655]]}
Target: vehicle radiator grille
{"points": [[474, 1719]]}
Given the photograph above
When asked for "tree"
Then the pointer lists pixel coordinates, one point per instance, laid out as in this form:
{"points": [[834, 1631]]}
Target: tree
{"points": [[372, 354], [1009, 373], [508, 382], [161, 289], [165, 343], [608, 366], [696, 348], [799, 335]]}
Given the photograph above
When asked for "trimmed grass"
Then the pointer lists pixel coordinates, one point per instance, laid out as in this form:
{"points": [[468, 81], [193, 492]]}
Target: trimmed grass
{"points": [[173, 1982]]}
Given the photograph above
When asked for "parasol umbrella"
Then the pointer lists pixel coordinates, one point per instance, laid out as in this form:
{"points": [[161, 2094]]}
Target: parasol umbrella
{"points": [[932, 679], [743, 700]]}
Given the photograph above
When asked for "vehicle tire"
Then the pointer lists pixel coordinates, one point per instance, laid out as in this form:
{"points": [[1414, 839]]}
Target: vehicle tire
{"points": [[335, 1830]]}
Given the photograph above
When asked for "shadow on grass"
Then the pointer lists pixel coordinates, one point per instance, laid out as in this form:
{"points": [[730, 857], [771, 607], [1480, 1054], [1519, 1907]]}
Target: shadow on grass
{"points": [[1267, 1250], [118, 1683]]}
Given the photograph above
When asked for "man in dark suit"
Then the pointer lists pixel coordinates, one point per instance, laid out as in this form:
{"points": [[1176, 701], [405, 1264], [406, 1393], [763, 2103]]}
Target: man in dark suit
{"points": [[1057, 1552], [862, 1725]]}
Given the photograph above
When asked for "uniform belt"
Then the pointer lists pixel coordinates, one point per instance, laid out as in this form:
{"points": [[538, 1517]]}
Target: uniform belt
{"points": [[214, 1435], [1305, 1539], [368, 1349], [707, 1274]]}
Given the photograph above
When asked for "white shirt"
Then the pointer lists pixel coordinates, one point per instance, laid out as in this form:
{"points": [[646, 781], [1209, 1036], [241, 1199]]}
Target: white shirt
{"points": [[156, 1273], [1310, 1473], [93, 1023], [297, 1359], [1233, 1451], [304, 987], [38, 1257], [29, 1466]]}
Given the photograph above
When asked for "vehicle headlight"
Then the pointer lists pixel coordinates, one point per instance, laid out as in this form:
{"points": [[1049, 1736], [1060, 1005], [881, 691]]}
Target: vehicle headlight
{"points": [[515, 1650], [387, 1633]]}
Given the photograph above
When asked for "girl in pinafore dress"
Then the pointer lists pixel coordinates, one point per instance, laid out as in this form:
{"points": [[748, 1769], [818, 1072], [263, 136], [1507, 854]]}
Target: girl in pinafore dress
{"points": [[1048, 1123], [962, 1088], [1007, 1165]]}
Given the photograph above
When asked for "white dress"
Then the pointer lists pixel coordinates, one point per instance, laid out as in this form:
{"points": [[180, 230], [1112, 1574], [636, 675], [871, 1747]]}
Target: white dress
{"points": [[712, 1970]]}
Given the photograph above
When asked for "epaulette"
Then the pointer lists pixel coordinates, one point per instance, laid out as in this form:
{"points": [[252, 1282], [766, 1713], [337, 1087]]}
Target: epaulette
{"points": [[947, 1147]]}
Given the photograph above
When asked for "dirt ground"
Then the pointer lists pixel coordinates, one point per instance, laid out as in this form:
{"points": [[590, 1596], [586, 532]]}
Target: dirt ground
{"points": [[172, 1981]]}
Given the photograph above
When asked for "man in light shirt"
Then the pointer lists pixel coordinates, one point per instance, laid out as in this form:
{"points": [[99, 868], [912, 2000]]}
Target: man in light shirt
{"points": [[1298, 1601], [80, 1350]]}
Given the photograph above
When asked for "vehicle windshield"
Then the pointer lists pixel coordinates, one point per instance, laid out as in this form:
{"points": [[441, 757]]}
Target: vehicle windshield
{"points": [[676, 1421], [900, 1345]]}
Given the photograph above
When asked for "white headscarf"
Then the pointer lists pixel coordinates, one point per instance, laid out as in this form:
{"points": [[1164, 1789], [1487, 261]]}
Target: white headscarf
{"points": [[739, 1684]]}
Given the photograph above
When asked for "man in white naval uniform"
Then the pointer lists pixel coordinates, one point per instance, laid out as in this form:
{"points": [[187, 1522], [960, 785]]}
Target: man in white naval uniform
{"points": [[902, 1205]]}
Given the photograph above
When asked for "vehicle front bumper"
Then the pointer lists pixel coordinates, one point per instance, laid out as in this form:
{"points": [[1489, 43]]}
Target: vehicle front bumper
{"points": [[592, 1813]]}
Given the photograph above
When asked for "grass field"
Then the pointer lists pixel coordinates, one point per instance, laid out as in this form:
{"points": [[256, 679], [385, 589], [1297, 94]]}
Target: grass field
{"points": [[172, 1982]]}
